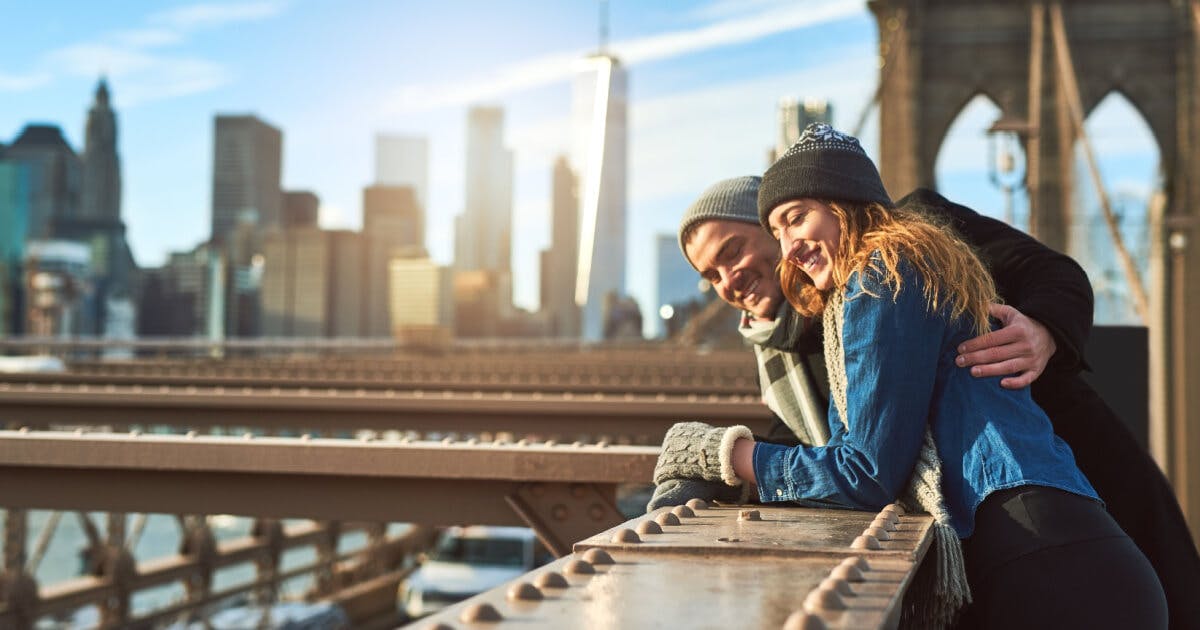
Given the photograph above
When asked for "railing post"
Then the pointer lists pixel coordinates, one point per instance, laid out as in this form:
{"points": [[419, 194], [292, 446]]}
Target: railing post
{"points": [[198, 542], [270, 532], [327, 558], [117, 565], [18, 589]]}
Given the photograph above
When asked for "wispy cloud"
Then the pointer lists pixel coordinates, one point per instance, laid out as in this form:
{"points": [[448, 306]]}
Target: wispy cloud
{"points": [[735, 31], [556, 67], [142, 56], [23, 82], [210, 15]]}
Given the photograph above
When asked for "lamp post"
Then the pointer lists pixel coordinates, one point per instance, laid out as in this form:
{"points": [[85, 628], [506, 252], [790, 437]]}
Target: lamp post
{"points": [[1006, 138]]}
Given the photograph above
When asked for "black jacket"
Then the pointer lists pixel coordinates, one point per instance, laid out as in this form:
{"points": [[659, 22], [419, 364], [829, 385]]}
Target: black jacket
{"points": [[1054, 290]]}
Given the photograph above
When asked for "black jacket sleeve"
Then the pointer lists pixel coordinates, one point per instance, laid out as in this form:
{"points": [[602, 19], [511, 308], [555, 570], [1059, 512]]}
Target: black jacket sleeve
{"points": [[1041, 283]]}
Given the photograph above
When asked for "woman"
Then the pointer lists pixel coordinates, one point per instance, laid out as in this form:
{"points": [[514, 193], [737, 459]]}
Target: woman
{"points": [[897, 295]]}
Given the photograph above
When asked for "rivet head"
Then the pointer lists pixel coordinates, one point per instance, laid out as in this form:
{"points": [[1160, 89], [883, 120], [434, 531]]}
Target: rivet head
{"points": [[697, 504], [838, 585], [596, 511], [550, 579], [857, 562], [749, 515], [823, 599], [895, 508], [649, 527], [866, 542], [559, 512], [878, 532], [598, 556], [524, 591], [682, 511], [579, 567], [666, 518], [801, 620], [480, 612], [626, 535], [847, 572], [884, 523]]}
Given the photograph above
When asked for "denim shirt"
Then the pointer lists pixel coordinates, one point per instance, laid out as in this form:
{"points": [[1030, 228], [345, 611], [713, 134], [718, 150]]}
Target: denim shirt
{"points": [[901, 377]]}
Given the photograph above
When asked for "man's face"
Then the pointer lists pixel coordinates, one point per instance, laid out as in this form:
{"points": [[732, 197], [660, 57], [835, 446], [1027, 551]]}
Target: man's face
{"points": [[739, 259]]}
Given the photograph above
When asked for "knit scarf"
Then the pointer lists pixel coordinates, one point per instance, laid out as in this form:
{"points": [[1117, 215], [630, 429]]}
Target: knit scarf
{"points": [[950, 591], [789, 376]]}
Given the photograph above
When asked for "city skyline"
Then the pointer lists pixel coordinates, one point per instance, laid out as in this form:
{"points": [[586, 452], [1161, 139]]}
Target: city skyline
{"points": [[705, 80]]}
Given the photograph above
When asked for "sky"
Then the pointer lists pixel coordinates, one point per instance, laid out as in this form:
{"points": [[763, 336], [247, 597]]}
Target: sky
{"points": [[704, 80]]}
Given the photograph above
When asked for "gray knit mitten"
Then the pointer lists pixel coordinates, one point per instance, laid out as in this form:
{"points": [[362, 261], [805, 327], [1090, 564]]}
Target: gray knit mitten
{"points": [[679, 491], [694, 450]]}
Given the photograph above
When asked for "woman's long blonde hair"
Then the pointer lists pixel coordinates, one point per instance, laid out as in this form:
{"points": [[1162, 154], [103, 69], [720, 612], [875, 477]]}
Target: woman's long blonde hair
{"points": [[953, 275]]}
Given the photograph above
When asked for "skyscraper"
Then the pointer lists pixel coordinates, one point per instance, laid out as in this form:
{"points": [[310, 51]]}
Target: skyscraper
{"points": [[300, 209], [98, 221], [678, 282], [422, 300], [483, 232], [14, 217], [55, 174], [101, 195], [393, 224], [484, 236], [403, 161], [794, 116], [312, 283], [599, 147], [560, 261], [247, 167]]}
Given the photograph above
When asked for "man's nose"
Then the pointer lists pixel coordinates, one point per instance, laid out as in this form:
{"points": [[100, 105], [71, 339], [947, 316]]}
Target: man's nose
{"points": [[726, 276]]}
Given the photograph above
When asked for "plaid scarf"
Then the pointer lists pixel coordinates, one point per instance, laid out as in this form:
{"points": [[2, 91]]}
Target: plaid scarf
{"points": [[791, 372]]}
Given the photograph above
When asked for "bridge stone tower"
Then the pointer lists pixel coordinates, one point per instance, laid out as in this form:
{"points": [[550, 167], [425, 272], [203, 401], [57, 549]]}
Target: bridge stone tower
{"points": [[936, 55]]}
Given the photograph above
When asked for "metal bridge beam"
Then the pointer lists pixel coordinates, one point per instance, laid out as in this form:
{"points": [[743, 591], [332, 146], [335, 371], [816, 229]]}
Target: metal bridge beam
{"points": [[548, 414], [424, 483]]}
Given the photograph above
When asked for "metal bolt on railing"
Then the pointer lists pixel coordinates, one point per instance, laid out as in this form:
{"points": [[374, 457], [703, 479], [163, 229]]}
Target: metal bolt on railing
{"points": [[626, 535], [649, 527], [550, 579], [579, 567], [802, 620], [597, 556], [480, 613], [523, 591], [667, 518], [749, 515], [683, 511]]}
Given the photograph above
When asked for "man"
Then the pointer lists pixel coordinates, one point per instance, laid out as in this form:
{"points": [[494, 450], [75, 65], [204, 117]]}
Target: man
{"points": [[1044, 323]]}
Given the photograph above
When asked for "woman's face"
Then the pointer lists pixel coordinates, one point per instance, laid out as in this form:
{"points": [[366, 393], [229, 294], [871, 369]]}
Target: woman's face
{"points": [[808, 233]]}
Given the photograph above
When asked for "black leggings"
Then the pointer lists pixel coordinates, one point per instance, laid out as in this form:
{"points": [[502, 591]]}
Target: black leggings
{"points": [[1044, 558]]}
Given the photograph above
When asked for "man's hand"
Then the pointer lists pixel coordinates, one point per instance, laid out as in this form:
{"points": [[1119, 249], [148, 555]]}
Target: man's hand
{"points": [[1021, 347]]}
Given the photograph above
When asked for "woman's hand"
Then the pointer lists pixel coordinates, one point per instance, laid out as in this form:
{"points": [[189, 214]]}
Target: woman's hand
{"points": [[1021, 347]]}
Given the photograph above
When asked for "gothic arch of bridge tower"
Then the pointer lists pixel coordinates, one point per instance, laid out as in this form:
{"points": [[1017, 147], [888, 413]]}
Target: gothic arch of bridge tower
{"points": [[936, 55]]}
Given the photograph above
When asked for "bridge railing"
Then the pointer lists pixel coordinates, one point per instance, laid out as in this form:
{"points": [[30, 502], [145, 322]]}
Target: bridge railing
{"points": [[720, 566], [565, 492]]}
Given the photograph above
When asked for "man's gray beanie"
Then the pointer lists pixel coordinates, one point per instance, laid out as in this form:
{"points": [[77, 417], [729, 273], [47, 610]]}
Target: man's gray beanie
{"points": [[733, 199]]}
